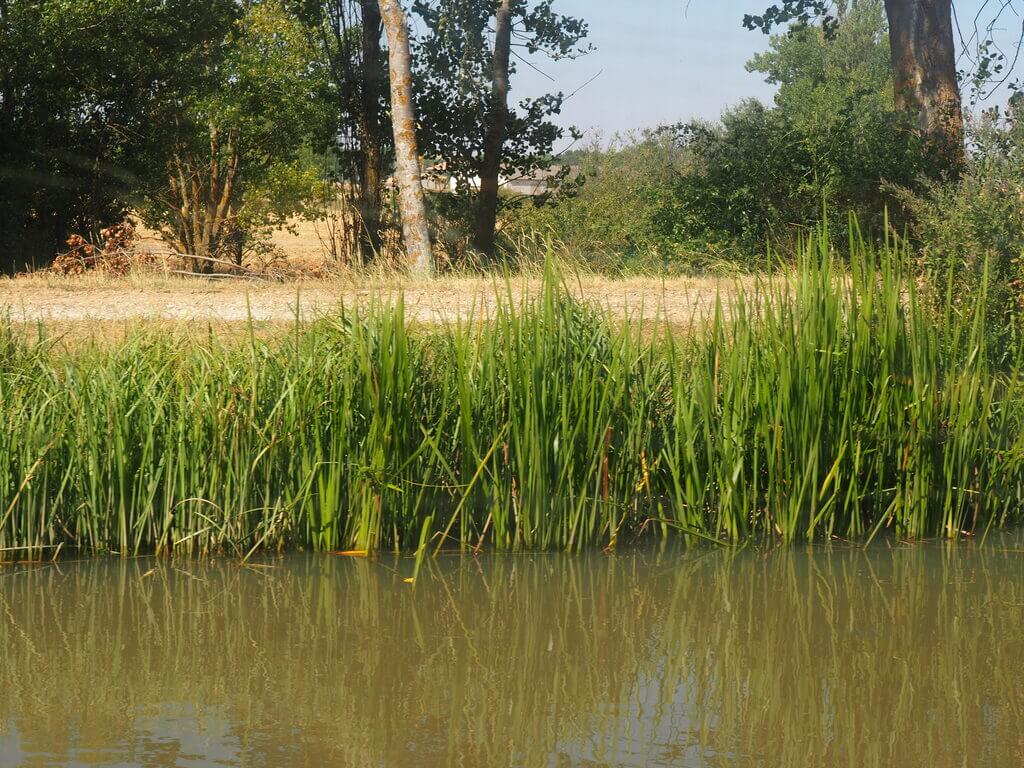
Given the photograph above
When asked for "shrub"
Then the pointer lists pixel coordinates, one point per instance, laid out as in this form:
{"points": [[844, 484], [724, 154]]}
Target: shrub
{"points": [[625, 213], [828, 143], [695, 193], [963, 229]]}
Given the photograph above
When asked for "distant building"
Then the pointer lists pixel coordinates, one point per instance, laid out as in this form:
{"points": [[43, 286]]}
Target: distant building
{"points": [[436, 179], [536, 183]]}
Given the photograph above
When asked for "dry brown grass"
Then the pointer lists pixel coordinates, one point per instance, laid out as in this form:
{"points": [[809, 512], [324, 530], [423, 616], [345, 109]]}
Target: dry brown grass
{"points": [[110, 305], [92, 297]]}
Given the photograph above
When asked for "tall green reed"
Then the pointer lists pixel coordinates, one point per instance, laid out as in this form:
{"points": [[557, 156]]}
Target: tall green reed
{"points": [[833, 403]]}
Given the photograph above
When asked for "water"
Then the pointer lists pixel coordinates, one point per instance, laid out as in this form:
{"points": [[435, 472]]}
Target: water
{"points": [[895, 656]]}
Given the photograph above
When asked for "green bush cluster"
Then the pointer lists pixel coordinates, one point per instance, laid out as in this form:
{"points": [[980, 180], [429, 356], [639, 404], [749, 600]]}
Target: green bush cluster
{"points": [[623, 211], [696, 194], [970, 232]]}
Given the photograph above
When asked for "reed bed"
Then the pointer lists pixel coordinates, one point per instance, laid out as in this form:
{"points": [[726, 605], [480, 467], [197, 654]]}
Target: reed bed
{"points": [[839, 404]]}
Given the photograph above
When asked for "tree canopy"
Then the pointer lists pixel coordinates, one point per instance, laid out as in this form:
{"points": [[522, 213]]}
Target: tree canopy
{"points": [[83, 95], [453, 60]]}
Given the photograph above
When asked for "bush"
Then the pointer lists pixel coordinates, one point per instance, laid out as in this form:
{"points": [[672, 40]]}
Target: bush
{"points": [[694, 194], [963, 229], [625, 212], [828, 143]]}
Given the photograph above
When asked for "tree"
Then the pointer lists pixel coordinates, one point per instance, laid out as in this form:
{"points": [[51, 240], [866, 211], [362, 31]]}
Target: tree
{"points": [[463, 83], [835, 117], [696, 194], [192, 113], [699, 194], [924, 73], [78, 109], [351, 42], [494, 136], [371, 126], [233, 148], [412, 202], [923, 65]]}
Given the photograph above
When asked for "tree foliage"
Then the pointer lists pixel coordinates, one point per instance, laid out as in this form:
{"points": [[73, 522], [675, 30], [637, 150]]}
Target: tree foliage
{"points": [[98, 97], [830, 140], [230, 161], [799, 12], [762, 172], [83, 84], [454, 59]]}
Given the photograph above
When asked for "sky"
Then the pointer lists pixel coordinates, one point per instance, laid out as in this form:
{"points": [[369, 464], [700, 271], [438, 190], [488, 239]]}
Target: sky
{"points": [[663, 61], [656, 62]]}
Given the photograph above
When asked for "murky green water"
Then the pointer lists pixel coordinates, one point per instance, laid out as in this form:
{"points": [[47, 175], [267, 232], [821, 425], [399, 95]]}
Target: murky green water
{"points": [[897, 656]]}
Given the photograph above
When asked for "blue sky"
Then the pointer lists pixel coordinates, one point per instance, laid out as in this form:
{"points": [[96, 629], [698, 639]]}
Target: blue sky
{"points": [[659, 61], [665, 60]]}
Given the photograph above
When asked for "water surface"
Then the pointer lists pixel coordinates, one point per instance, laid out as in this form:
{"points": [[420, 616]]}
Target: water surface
{"points": [[891, 656]]}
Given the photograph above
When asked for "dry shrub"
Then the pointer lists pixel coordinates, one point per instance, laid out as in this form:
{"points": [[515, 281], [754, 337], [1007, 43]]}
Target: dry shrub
{"points": [[117, 255]]}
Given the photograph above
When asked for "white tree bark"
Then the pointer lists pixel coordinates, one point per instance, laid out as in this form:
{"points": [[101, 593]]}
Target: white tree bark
{"points": [[407, 162]]}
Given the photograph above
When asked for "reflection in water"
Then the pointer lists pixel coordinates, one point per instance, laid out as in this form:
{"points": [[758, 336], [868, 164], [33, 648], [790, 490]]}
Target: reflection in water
{"points": [[894, 656]]}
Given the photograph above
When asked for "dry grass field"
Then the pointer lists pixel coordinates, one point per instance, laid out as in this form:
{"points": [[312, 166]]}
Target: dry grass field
{"points": [[94, 297], [156, 295]]}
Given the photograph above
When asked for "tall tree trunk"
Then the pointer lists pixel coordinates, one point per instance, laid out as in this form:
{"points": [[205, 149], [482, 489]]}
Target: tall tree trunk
{"points": [[372, 139], [407, 162], [494, 138], [6, 86], [10, 236], [924, 74]]}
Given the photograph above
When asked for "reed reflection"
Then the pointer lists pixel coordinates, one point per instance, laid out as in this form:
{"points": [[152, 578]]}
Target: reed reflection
{"points": [[896, 655]]}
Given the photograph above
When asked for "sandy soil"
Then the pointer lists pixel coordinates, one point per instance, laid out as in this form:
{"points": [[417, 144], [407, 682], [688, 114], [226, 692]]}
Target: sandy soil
{"points": [[92, 297]]}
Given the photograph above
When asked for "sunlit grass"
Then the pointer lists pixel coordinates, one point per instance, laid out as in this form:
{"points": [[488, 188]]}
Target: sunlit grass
{"points": [[838, 405]]}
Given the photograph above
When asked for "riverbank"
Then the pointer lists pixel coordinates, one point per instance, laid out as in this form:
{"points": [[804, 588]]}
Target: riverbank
{"points": [[831, 408]]}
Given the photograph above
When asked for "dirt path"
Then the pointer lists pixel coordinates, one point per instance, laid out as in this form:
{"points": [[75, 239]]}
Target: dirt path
{"points": [[48, 299]]}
